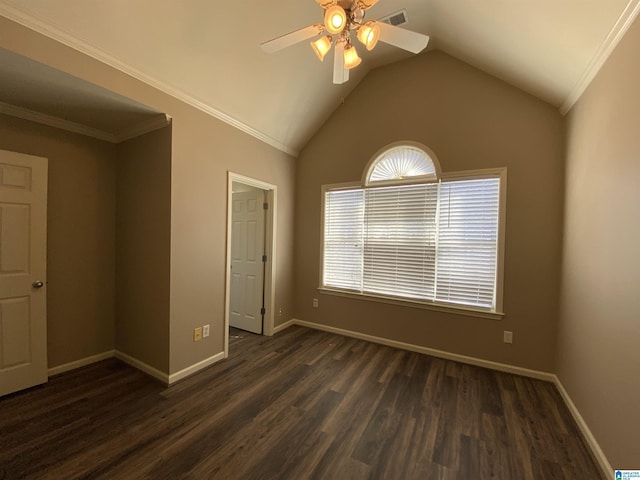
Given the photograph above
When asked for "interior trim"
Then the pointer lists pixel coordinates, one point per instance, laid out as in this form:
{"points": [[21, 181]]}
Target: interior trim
{"points": [[139, 365], [196, 367], [55, 122], [625, 20], [501, 367], [597, 452], [271, 243], [410, 303], [143, 367], [283, 326], [65, 367], [40, 26], [146, 126]]}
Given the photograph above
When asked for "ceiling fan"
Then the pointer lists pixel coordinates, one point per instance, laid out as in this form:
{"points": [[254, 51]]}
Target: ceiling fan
{"points": [[341, 18]]}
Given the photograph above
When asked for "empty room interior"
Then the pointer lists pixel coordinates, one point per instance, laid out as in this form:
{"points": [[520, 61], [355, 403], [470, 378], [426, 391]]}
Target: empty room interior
{"points": [[412, 254]]}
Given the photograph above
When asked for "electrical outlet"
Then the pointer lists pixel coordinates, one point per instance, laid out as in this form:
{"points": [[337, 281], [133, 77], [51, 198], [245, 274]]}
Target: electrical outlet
{"points": [[315, 303], [508, 337], [197, 334], [205, 331], [280, 312]]}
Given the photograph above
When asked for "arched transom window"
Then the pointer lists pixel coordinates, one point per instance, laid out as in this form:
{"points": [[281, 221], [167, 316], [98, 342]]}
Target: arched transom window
{"points": [[402, 163]]}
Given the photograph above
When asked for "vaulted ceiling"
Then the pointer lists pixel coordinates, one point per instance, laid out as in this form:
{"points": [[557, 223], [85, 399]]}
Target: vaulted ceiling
{"points": [[207, 52]]}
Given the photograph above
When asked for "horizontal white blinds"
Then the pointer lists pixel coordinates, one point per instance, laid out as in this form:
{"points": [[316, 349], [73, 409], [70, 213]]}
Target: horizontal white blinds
{"points": [[399, 240], [434, 242], [343, 227], [468, 242]]}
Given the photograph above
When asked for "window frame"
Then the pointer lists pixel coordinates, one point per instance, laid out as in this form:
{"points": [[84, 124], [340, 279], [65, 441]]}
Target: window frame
{"points": [[365, 182], [493, 314]]}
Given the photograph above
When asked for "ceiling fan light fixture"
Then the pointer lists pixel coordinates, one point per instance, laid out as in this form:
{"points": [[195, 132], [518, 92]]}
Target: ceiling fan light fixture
{"points": [[322, 46], [335, 19], [351, 58], [368, 34]]}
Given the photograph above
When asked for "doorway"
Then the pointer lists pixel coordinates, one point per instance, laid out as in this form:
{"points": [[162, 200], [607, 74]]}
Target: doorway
{"points": [[23, 271], [250, 272]]}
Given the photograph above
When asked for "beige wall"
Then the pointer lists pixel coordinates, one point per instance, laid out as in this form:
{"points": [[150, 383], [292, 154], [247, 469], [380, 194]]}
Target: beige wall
{"points": [[81, 239], [203, 150], [143, 233], [206, 149], [471, 121], [599, 334]]}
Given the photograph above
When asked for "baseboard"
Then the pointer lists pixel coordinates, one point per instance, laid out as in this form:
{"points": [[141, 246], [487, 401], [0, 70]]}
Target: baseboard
{"points": [[502, 367], [549, 377], [597, 452], [174, 377], [283, 326], [80, 363], [140, 365]]}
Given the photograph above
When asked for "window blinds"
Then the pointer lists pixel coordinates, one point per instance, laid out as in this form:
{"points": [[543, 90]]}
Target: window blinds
{"points": [[433, 242], [399, 241], [468, 242], [343, 227]]}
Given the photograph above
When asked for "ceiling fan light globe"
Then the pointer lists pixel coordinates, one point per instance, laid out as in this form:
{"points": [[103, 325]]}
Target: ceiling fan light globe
{"points": [[335, 19], [368, 34], [351, 58], [322, 46]]}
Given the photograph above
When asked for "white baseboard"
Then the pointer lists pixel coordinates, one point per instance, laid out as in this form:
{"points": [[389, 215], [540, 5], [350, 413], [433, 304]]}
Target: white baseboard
{"points": [[502, 367], [604, 464], [282, 326], [174, 377], [140, 365], [549, 377], [80, 363]]}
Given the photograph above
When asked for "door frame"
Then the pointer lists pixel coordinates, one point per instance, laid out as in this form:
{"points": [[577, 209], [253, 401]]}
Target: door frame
{"points": [[271, 197]]}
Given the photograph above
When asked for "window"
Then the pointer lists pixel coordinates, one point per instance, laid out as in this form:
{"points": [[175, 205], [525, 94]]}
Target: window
{"points": [[436, 242]]}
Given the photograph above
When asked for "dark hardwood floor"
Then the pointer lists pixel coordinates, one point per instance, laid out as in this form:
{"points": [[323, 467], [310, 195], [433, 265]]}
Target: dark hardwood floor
{"points": [[301, 405]]}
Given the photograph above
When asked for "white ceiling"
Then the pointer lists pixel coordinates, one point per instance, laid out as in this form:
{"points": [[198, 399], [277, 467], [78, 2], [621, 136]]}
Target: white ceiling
{"points": [[207, 52]]}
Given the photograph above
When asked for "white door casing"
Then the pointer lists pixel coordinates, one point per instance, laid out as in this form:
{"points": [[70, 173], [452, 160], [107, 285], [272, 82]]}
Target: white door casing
{"points": [[247, 267], [23, 261]]}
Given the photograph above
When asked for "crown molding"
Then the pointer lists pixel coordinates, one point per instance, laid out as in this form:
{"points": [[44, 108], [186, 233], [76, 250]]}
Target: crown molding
{"points": [[625, 20], [40, 26], [56, 122], [146, 126]]}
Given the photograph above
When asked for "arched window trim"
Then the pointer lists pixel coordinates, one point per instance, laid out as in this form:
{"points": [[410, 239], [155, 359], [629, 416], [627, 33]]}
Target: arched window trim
{"points": [[379, 155]]}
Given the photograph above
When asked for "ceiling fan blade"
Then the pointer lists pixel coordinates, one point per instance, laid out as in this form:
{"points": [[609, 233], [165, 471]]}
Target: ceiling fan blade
{"points": [[366, 4], [340, 74], [326, 3], [292, 38], [399, 37]]}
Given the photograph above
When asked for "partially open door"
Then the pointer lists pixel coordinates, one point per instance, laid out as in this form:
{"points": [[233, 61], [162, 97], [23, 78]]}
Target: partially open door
{"points": [[23, 262], [247, 263]]}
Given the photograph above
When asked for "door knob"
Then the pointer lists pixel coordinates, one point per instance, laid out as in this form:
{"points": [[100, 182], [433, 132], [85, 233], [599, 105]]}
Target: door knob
{"points": [[38, 284]]}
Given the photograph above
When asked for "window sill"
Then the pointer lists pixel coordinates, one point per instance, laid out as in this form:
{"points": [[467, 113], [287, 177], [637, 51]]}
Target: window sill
{"points": [[455, 310]]}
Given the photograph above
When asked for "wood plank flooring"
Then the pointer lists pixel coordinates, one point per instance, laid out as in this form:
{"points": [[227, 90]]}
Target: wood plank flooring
{"points": [[301, 405]]}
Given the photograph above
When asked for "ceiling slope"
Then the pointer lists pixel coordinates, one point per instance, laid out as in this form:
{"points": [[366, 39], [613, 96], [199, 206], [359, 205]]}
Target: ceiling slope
{"points": [[207, 53]]}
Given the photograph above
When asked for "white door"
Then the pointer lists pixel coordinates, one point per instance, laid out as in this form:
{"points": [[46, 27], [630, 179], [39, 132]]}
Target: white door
{"points": [[247, 267], [23, 261]]}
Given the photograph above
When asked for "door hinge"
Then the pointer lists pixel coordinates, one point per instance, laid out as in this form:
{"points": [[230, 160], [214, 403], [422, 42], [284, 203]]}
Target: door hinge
{"points": [[264, 258], [262, 311], [265, 205]]}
